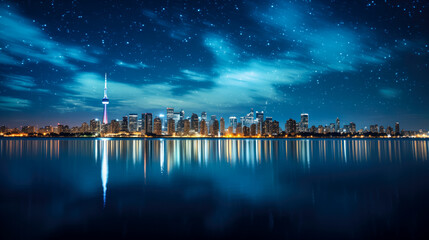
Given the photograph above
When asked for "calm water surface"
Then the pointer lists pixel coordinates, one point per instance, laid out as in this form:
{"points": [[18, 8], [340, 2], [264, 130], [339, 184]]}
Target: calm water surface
{"points": [[203, 188]]}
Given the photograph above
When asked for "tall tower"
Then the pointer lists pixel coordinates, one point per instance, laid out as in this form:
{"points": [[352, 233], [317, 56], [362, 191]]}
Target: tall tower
{"points": [[105, 100]]}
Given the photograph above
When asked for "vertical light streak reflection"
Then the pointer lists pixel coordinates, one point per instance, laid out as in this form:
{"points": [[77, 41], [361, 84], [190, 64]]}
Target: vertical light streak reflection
{"points": [[161, 155], [345, 151], [308, 152], [104, 170]]}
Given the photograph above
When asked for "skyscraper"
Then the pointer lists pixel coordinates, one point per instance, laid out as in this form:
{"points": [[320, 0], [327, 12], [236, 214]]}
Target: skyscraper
{"points": [[194, 122], [157, 126], [248, 121], [212, 119], [170, 126], [337, 125], [114, 126], [94, 125], [132, 122], [253, 130], [143, 130], [176, 117], [260, 117], [222, 126], [303, 125], [204, 116], [170, 112], [170, 115], [352, 127], [275, 128], [148, 123], [182, 114], [203, 127], [186, 127], [291, 126], [397, 130], [215, 128], [105, 101], [124, 124], [233, 123]]}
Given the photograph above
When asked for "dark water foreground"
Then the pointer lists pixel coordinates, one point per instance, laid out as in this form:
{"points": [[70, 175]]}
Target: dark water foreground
{"points": [[197, 188]]}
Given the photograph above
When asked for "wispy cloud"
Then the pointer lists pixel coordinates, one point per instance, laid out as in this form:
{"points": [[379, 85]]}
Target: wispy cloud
{"points": [[21, 83], [193, 76], [24, 40], [177, 28], [13, 103], [330, 46], [390, 93], [138, 65]]}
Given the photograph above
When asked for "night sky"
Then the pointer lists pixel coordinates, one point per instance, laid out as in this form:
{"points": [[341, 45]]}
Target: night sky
{"points": [[361, 61]]}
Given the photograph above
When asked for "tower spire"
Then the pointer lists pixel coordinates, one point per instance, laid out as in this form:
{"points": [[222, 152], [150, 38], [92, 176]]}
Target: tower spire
{"points": [[105, 100], [105, 85]]}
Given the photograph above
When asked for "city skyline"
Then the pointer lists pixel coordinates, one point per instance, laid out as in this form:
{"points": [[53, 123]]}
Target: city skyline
{"points": [[131, 123], [364, 62]]}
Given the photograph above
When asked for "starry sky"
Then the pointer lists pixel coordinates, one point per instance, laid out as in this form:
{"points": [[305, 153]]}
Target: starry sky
{"points": [[361, 61]]}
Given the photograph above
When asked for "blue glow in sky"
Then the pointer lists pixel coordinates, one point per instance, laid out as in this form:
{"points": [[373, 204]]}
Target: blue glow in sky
{"points": [[363, 61]]}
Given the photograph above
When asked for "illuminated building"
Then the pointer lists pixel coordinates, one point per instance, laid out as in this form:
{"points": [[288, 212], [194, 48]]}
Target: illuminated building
{"points": [[337, 125], [332, 127], [215, 128], [260, 118], [230, 130], [194, 122], [203, 128], [313, 129], [143, 127], [212, 119], [381, 130], [275, 128], [157, 126], [389, 130], [290, 126], [182, 115], [253, 130], [222, 126], [373, 128], [94, 125], [239, 129], [180, 127], [105, 101], [186, 127], [28, 129], [204, 116], [148, 123], [132, 122], [352, 127], [114, 127], [346, 128], [397, 130], [139, 125], [248, 120], [246, 131], [84, 128], [124, 124], [303, 125], [170, 114], [320, 129], [266, 127], [176, 117], [171, 126], [233, 124]]}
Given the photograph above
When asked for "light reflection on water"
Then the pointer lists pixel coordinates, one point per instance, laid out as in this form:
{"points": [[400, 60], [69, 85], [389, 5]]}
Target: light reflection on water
{"points": [[321, 182]]}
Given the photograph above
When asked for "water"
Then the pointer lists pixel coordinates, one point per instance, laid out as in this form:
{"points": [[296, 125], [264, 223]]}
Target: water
{"points": [[200, 188]]}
